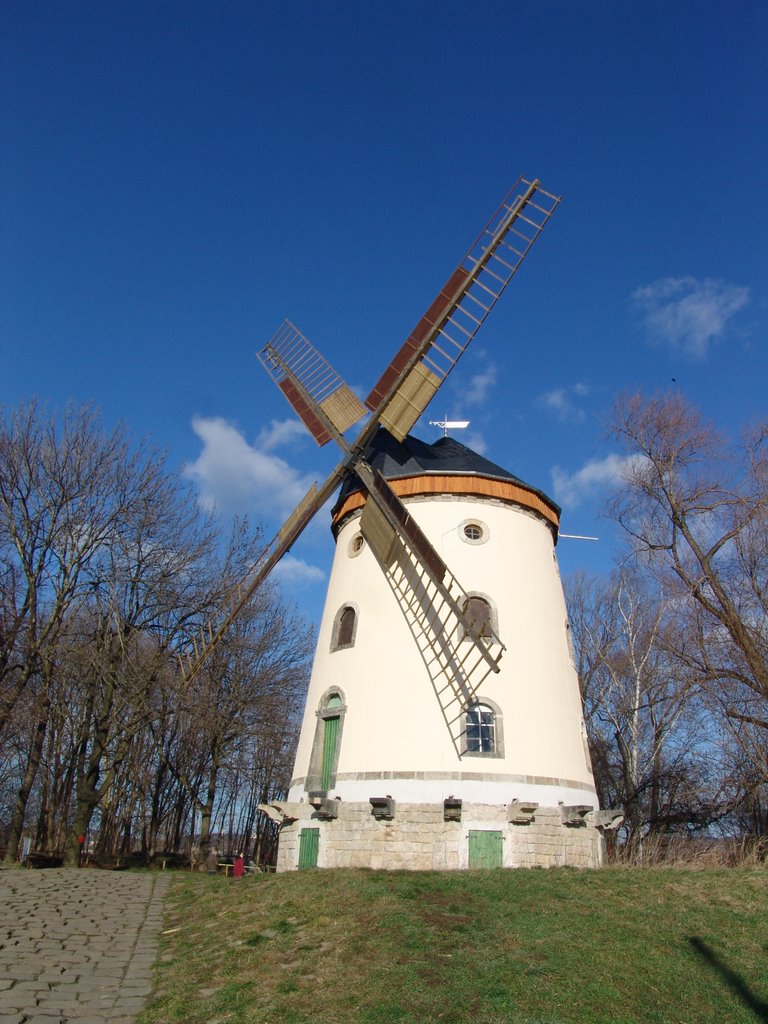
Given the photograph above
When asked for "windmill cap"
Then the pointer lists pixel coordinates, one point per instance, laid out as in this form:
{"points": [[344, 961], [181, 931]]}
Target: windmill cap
{"points": [[411, 457]]}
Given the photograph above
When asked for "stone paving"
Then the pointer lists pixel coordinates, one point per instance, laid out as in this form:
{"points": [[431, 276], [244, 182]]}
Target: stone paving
{"points": [[77, 945]]}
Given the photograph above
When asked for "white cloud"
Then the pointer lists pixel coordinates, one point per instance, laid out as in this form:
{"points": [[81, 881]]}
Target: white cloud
{"points": [[480, 385], [595, 476], [297, 572], [686, 314], [476, 442], [561, 402], [280, 433], [235, 477]]}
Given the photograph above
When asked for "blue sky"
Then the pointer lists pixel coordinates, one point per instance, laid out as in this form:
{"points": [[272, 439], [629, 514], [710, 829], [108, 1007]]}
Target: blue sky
{"points": [[176, 178]]}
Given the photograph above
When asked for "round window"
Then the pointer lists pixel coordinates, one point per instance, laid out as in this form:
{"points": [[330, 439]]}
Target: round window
{"points": [[356, 545], [473, 532]]}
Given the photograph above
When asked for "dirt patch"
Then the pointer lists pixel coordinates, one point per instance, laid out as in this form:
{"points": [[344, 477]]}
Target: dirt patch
{"points": [[445, 922]]}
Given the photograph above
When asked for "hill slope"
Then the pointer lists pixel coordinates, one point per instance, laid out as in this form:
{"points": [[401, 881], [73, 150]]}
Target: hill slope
{"points": [[525, 947]]}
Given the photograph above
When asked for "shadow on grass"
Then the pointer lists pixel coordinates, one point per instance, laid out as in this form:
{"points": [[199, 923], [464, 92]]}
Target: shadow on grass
{"points": [[734, 981]]}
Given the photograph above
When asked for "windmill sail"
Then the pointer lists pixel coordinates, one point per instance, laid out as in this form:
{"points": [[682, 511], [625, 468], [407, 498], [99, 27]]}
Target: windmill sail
{"points": [[309, 382], [441, 336], [458, 655], [214, 631]]}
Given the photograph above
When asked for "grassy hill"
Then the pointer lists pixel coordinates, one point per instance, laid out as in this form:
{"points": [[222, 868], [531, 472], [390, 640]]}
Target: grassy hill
{"points": [[524, 947]]}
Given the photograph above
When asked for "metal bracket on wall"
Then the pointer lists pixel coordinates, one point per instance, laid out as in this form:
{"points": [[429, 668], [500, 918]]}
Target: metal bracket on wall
{"points": [[382, 807]]}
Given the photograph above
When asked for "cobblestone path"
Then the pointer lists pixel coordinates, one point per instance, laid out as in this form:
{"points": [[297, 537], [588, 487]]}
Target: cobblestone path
{"points": [[77, 945]]}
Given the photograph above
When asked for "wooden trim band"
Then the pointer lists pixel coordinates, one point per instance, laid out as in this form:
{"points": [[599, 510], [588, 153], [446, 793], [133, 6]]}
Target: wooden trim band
{"points": [[472, 486]]}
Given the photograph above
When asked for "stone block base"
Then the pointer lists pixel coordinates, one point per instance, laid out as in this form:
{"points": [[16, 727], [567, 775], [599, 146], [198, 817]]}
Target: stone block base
{"points": [[418, 838]]}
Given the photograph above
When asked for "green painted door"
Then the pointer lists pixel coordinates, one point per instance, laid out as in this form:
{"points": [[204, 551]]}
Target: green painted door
{"points": [[485, 849], [330, 741], [309, 841]]}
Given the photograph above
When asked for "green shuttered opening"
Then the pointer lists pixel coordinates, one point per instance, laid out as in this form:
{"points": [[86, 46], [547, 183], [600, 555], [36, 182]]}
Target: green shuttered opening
{"points": [[485, 849], [309, 842]]}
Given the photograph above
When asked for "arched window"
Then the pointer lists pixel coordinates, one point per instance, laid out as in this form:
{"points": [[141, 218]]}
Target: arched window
{"points": [[481, 730], [484, 731], [344, 628], [478, 613]]}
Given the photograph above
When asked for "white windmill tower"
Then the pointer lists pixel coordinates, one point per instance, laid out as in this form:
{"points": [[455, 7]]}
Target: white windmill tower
{"points": [[421, 746]]}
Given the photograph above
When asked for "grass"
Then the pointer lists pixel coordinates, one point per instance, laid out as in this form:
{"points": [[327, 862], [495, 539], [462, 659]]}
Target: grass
{"points": [[623, 945]]}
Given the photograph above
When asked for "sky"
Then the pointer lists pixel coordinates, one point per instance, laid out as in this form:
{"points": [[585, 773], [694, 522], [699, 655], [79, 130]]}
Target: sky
{"points": [[177, 178]]}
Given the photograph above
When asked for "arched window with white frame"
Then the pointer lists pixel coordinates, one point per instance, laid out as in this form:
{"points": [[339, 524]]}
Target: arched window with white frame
{"points": [[483, 732], [344, 627]]}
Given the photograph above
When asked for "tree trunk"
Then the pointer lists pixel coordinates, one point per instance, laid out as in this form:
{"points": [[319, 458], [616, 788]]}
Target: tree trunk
{"points": [[83, 815], [20, 810], [88, 797], [149, 836], [206, 814], [180, 818], [43, 832], [655, 811]]}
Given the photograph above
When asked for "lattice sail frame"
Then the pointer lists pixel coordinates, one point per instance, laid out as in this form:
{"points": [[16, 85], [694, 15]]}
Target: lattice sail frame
{"points": [[442, 335], [457, 656], [291, 359], [213, 632]]}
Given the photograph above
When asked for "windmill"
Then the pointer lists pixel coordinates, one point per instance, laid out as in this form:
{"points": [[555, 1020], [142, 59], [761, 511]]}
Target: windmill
{"points": [[453, 641]]}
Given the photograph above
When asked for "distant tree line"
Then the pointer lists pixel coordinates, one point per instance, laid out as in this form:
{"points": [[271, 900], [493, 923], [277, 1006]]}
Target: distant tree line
{"points": [[672, 649], [107, 568]]}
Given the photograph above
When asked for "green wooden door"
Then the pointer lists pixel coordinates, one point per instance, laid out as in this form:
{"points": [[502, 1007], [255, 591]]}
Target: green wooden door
{"points": [[485, 849], [309, 841], [330, 739], [330, 742]]}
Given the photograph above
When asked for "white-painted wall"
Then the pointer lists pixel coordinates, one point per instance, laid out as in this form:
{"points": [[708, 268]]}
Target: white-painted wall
{"points": [[394, 739]]}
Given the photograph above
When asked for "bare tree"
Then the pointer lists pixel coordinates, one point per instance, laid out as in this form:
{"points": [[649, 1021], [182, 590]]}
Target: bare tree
{"points": [[146, 583], [640, 711], [245, 703], [696, 510], [59, 501], [106, 566]]}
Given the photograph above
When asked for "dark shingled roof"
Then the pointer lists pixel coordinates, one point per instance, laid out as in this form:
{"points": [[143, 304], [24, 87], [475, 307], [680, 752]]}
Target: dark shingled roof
{"points": [[412, 457]]}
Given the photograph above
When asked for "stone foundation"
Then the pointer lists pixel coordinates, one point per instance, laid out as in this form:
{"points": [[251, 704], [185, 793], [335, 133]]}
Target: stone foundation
{"points": [[417, 837]]}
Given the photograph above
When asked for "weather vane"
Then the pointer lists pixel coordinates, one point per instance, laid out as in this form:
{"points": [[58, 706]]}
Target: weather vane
{"points": [[447, 424]]}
